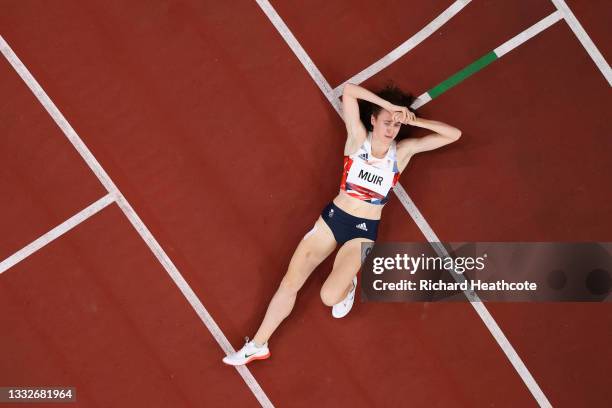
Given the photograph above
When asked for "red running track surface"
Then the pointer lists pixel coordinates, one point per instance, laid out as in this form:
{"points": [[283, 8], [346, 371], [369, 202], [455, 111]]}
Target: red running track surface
{"points": [[214, 132]]}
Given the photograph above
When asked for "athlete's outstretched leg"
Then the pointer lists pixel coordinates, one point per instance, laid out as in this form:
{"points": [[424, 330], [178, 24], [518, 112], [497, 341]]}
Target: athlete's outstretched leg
{"points": [[311, 251]]}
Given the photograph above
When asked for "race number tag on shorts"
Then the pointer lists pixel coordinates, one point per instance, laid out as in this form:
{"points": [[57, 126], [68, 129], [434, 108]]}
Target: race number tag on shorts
{"points": [[370, 177]]}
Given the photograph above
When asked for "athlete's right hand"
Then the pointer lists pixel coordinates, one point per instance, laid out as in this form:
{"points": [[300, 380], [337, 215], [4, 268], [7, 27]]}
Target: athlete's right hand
{"points": [[401, 114]]}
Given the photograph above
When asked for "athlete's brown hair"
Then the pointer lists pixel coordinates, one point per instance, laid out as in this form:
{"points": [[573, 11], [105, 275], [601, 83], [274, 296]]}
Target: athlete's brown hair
{"points": [[391, 93]]}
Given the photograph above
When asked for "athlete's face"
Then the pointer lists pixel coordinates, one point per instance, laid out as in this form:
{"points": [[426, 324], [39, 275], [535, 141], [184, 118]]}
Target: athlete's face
{"points": [[383, 125]]}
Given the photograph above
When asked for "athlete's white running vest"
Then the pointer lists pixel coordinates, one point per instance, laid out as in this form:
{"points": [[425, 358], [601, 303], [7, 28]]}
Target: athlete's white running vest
{"points": [[368, 178]]}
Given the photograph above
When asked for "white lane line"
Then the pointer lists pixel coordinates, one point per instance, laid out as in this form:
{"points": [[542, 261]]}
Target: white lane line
{"points": [[56, 232], [420, 101], [506, 47], [529, 33], [192, 298], [479, 307], [405, 47], [129, 212], [298, 50], [475, 301], [584, 39]]}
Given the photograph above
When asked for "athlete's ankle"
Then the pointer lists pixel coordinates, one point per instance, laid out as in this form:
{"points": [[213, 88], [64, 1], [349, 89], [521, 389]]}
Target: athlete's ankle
{"points": [[259, 343]]}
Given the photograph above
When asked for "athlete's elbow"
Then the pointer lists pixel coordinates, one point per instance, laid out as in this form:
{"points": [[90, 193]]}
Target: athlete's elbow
{"points": [[456, 135], [347, 88]]}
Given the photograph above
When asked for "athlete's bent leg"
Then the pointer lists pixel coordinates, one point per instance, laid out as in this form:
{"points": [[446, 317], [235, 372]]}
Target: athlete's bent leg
{"points": [[311, 251], [346, 265]]}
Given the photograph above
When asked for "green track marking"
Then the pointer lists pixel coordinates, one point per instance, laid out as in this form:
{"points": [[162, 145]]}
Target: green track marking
{"points": [[463, 74]]}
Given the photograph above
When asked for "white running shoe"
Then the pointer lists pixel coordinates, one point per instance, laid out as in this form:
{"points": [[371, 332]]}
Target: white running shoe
{"points": [[247, 353], [341, 309]]}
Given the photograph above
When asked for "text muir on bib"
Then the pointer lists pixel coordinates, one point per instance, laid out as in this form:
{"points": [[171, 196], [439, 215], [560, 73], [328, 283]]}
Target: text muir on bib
{"points": [[370, 177]]}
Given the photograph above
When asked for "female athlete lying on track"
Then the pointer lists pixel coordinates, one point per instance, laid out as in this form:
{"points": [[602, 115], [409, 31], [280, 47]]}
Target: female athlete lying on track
{"points": [[373, 162]]}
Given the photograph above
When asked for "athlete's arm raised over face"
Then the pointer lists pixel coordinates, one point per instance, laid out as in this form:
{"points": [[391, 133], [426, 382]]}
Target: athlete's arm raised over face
{"points": [[444, 135], [356, 132]]}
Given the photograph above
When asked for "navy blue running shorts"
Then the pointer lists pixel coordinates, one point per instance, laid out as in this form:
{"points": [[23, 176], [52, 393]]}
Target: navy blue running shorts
{"points": [[346, 226]]}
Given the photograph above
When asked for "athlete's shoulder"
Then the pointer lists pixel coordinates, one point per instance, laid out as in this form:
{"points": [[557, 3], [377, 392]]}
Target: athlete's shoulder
{"points": [[353, 146], [404, 152], [405, 145], [403, 149]]}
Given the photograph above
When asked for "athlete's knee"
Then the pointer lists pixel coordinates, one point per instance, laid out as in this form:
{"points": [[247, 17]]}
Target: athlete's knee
{"points": [[283, 300], [289, 286], [329, 296]]}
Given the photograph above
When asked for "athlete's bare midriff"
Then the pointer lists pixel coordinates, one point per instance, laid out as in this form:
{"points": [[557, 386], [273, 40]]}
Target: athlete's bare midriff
{"points": [[358, 208]]}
